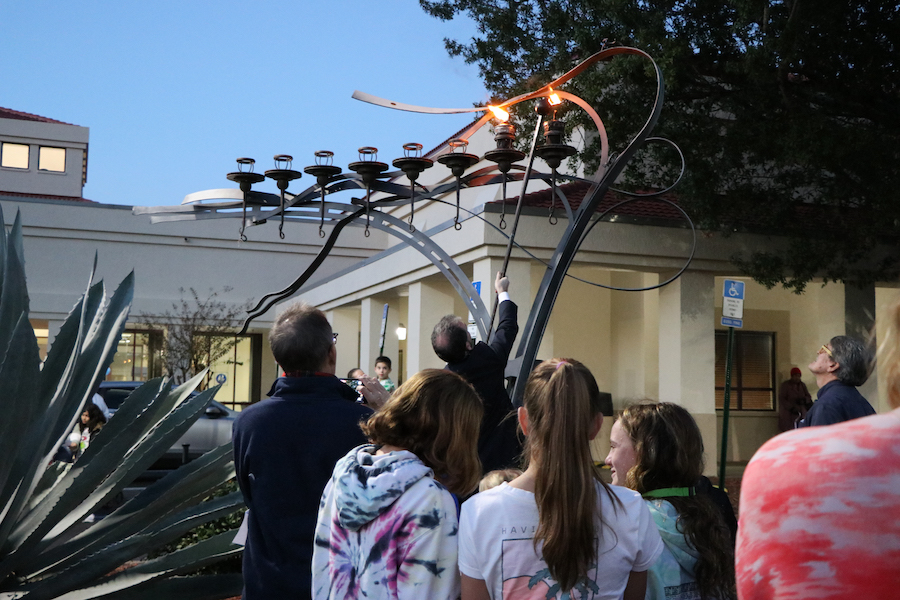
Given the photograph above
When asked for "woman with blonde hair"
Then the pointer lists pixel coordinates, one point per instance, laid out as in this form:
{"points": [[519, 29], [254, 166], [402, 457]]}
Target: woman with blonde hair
{"points": [[388, 520], [656, 449], [839, 536], [557, 530]]}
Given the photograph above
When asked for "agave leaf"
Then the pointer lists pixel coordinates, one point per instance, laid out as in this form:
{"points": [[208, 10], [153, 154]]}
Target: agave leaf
{"points": [[199, 587], [98, 349], [17, 372], [101, 341], [139, 413], [48, 481], [32, 455], [95, 566], [15, 236], [173, 492], [13, 295], [86, 486]]}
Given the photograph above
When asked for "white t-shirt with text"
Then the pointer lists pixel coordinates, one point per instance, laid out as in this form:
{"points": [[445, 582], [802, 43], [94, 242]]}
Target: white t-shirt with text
{"points": [[496, 535]]}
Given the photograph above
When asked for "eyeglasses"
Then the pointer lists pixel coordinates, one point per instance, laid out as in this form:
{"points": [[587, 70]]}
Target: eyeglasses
{"points": [[334, 338], [826, 350]]}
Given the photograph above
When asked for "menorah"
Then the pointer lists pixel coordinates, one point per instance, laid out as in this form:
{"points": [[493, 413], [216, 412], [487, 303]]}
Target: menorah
{"points": [[370, 176]]}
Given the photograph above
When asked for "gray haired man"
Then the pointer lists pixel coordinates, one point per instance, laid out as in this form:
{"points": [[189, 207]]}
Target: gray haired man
{"points": [[840, 367]]}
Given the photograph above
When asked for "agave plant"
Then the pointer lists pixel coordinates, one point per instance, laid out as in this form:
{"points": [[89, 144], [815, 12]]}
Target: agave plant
{"points": [[46, 548]]}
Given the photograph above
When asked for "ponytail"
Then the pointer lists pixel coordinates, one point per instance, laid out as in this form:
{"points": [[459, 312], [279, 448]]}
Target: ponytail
{"points": [[562, 400]]}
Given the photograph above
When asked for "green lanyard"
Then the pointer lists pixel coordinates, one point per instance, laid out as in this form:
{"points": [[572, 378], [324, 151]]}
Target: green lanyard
{"points": [[670, 492]]}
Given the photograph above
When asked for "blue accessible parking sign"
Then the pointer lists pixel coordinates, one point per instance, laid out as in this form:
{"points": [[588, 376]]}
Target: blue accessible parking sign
{"points": [[733, 303]]}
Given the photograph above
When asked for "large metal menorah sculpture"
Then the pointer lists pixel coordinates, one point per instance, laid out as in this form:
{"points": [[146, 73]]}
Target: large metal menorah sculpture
{"points": [[311, 205]]}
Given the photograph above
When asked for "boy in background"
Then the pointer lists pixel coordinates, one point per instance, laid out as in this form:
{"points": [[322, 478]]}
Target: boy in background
{"points": [[383, 371]]}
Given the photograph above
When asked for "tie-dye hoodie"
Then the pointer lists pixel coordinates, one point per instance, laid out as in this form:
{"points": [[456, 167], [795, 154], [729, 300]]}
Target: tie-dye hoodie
{"points": [[386, 529], [672, 575]]}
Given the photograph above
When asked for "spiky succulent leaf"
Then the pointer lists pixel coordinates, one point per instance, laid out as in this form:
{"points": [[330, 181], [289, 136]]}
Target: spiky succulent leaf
{"points": [[172, 493], [92, 568]]}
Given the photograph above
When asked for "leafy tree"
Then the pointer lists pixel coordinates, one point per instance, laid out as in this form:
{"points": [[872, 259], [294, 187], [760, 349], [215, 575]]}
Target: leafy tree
{"points": [[787, 111], [199, 331]]}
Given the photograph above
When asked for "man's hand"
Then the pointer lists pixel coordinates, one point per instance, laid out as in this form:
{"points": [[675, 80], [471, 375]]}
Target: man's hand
{"points": [[374, 393], [501, 283]]}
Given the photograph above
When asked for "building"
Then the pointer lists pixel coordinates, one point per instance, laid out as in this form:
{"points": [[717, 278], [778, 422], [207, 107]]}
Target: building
{"points": [[44, 166]]}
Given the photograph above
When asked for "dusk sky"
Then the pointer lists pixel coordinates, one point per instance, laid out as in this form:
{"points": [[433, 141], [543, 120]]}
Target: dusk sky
{"points": [[174, 92]]}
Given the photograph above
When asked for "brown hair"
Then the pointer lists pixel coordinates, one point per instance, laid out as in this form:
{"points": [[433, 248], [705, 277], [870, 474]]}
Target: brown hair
{"points": [[889, 352], [668, 451], [450, 339], [562, 400], [436, 415], [300, 338]]}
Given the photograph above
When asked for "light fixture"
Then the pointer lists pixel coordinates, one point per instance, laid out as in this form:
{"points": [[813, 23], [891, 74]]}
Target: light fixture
{"points": [[401, 332]]}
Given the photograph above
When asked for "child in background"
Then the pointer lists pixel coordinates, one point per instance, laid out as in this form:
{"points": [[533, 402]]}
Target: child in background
{"points": [[382, 372], [495, 478]]}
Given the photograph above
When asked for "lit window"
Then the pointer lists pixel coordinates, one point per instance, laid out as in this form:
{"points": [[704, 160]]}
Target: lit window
{"points": [[14, 156], [52, 159]]}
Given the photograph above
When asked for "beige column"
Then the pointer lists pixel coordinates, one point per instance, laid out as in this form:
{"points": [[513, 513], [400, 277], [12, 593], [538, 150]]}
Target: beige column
{"points": [[345, 323], [427, 304], [687, 352], [520, 284], [370, 311]]}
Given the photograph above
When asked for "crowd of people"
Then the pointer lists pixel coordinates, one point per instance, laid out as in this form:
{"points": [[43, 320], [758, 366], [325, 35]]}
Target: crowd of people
{"points": [[417, 492]]}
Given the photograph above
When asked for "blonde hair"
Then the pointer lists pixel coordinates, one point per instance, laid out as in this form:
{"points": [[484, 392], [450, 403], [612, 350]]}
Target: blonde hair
{"points": [[562, 400], [436, 415], [495, 478], [889, 353]]}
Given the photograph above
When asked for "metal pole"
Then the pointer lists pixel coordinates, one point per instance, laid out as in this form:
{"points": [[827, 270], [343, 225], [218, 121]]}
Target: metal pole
{"points": [[726, 409], [512, 233]]}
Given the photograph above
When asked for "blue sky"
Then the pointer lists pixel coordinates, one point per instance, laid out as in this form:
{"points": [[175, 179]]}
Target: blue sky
{"points": [[173, 92]]}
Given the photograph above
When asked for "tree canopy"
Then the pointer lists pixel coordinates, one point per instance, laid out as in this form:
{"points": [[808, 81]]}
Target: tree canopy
{"points": [[787, 111]]}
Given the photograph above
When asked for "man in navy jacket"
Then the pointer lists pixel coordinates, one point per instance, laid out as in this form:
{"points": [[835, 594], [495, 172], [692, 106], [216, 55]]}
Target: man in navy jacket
{"points": [[484, 366], [285, 449], [840, 367]]}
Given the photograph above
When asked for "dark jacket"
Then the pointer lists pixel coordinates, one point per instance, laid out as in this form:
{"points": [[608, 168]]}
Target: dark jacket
{"points": [[837, 402], [484, 367], [285, 449]]}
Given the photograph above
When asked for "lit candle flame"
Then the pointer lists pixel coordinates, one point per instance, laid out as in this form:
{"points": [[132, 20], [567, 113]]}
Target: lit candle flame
{"points": [[499, 113]]}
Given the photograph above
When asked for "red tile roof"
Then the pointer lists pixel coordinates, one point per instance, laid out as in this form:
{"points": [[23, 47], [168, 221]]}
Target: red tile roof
{"points": [[8, 113], [576, 191]]}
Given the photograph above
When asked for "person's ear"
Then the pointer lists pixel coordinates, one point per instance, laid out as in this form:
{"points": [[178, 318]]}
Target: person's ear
{"points": [[522, 415], [596, 425], [833, 367]]}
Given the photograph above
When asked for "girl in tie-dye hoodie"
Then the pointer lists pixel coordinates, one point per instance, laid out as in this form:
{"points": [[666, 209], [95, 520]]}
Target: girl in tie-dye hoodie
{"points": [[388, 520]]}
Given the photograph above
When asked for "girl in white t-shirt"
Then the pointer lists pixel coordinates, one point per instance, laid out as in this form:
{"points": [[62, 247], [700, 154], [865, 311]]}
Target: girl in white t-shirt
{"points": [[557, 529]]}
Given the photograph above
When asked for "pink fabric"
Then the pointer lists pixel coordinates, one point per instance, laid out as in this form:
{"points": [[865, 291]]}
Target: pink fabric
{"points": [[820, 514]]}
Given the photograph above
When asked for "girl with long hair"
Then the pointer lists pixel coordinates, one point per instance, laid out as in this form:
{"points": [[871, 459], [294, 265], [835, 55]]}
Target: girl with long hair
{"points": [[91, 422], [656, 449], [388, 520], [557, 530]]}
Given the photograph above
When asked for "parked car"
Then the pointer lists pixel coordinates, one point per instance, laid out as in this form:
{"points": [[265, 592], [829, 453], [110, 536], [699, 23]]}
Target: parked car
{"points": [[212, 429]]}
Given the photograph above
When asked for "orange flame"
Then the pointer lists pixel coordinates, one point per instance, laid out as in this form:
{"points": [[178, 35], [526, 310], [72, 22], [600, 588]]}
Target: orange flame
{"points": [[499, 113]]}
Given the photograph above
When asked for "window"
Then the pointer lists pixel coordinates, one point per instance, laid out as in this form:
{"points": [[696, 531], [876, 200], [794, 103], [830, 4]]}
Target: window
{"points": [[14, 156], [752, 370], [52, 159], [137, 356], [238, 370]]}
